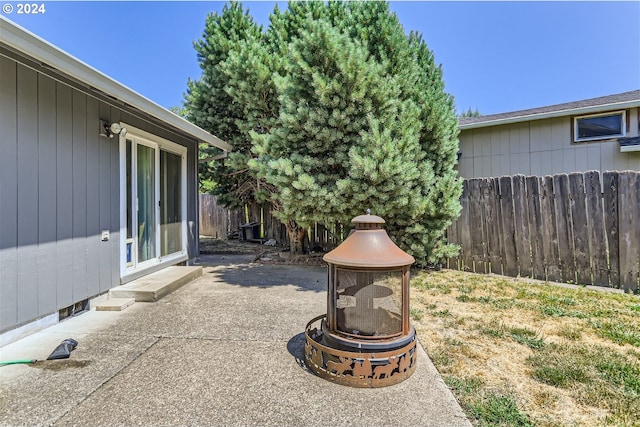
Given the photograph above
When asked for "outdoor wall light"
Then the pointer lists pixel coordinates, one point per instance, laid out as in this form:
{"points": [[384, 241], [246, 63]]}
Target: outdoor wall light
{"points": [[109, 129]]}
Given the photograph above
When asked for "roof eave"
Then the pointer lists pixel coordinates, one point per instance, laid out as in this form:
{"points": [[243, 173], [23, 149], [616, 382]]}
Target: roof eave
{"points": [[28, 43], [551, 114]]}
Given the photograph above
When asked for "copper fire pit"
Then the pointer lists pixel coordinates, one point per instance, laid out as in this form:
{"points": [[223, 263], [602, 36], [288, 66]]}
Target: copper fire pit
{"points": [[365, 339]]}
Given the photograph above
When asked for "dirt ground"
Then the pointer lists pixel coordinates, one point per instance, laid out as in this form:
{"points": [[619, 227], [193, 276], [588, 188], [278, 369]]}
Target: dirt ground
{"points": [[264, 254]]}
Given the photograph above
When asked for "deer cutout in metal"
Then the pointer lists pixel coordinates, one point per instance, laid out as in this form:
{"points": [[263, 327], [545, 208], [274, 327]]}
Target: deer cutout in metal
{"points": [[385, 370], [339, 368]]}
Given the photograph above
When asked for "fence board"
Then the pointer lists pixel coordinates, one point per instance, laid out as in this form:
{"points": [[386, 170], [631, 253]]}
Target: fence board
{"points": [[611, 217], [214, 219], [453, 237], [535, 227], [580, 228], [508, 231], [465, 234], [563, 228], [629, 210], [491, 201], [521, 216], [595, 227], [549, 235], [478, 237]]}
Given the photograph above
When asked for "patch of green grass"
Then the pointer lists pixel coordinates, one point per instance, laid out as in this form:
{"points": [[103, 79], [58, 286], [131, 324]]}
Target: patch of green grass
{"points": [[557, 373], [466, 385], [497, 409], [633, 353], [557, 367], [453, 342], [466, 289], [618, 331], [624, 411], [454, 322], [422, 284], [492, 329], [486, 408], [634, 307], [554, 310], [525, 292], [594, 375], [416, 314], [570, 332], [465, 298], [499, 303], [616, 370], [527, 337], [442, 313], [441, 359]]}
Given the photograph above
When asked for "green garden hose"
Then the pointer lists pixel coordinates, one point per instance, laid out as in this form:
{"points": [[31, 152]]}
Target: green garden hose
{"points": [[18, 362]]}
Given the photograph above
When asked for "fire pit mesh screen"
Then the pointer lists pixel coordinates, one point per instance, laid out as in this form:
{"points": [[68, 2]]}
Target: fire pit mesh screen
{"points": [[369, 304]]}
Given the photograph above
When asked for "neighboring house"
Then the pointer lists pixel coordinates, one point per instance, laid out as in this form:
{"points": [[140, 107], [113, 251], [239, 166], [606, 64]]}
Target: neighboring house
{"points": [[98, 185], [594, 134]]}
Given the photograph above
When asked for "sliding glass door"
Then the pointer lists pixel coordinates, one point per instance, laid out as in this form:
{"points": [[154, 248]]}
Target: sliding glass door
{"points": [[154, 183]]}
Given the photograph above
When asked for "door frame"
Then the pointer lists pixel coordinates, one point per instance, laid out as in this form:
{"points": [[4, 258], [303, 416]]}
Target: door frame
{"points": [[139, 136]]}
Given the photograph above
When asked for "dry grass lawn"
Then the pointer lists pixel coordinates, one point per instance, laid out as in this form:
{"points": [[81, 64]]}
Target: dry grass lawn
{"points": [[518, 353]]}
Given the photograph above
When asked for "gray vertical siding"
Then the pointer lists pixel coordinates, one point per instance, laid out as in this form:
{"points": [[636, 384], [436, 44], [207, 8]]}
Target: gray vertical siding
{"points": [[59, 189], [64, 196], [79, 197], [27, 225], [108, 276], [93, 197], [541, 147], [8, 194], [47, 195]]}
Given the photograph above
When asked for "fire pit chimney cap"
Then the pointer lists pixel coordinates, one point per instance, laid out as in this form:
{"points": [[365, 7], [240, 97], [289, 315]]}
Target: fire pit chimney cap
{"points": [[368, 219]]}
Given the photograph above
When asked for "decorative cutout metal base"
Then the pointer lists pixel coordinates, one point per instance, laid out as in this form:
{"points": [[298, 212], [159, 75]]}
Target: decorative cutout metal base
{"points": [[365, 369]]}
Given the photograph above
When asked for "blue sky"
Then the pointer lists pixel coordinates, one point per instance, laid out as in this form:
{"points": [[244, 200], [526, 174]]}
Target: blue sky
{"points": [[496, 56]]}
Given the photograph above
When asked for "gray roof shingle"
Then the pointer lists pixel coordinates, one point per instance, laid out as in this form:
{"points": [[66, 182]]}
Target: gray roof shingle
{"points": [[610, 102]]}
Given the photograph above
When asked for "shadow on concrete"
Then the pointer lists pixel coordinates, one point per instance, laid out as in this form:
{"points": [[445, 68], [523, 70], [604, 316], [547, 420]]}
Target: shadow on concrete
{"points": [[247, 274], [295, 346]]}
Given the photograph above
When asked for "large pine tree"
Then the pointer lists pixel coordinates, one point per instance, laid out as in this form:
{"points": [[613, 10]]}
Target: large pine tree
{"points": [[339, 110]]}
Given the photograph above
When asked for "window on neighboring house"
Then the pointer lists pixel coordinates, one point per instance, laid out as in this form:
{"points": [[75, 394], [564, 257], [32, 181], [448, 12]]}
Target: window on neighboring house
{"points": [[599, 126]]}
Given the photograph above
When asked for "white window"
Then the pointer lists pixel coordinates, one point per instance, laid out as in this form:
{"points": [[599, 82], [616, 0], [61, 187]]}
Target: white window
{"points": [[599, 126]]}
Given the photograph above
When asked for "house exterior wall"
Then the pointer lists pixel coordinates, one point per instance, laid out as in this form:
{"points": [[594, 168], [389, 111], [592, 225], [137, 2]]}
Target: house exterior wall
{"points": [[540, 147], [60, 188]]}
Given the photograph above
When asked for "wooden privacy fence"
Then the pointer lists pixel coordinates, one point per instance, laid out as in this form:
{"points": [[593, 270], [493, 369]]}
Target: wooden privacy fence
{"points": [[579, 228], [219, 222]]}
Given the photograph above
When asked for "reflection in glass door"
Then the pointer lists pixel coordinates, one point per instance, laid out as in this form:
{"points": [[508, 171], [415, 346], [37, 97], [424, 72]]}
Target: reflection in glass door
{"points": [[146, 202], [171, 203]]}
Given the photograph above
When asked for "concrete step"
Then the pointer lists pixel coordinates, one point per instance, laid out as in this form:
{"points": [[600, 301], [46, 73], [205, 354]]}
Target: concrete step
{"points": [[115, 304], [154, 286]]}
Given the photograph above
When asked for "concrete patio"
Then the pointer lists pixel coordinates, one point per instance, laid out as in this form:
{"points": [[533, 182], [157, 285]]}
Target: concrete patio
{"points": [[225, 349]]}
